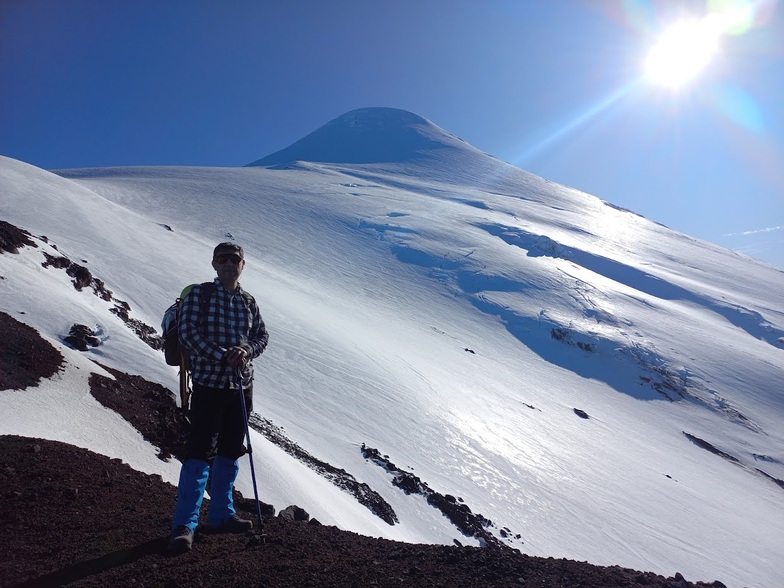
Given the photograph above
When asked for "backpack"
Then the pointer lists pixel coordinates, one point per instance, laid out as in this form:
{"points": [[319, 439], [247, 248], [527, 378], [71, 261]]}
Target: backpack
{"points": [[172, 350], [171, 323]]}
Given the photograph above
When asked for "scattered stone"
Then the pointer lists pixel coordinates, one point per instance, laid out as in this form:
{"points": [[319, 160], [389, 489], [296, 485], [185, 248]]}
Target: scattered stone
{"points": [[82, 278], [708, 447], [364, 494], [777, 481], [12, 238], [144, 331], [459, 514], [559, 334], [565, 336], [82, 337], [295, 513], [55, 261]]}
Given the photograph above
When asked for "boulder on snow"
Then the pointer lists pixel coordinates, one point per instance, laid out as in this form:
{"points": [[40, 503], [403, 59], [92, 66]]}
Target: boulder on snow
{"points": [[294, 513], [82, 337]]}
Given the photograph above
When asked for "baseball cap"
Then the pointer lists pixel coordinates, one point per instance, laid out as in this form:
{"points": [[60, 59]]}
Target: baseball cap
{"points": [[228, 248]]}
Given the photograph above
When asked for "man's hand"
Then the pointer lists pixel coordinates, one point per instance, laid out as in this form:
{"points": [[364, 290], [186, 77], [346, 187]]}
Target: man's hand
{"points": [[236, 357]]}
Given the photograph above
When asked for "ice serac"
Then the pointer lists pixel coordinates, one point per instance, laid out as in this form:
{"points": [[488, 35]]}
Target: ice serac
{"points": [[370, 135]]}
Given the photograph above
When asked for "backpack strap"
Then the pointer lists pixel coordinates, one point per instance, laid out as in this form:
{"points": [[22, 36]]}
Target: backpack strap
{"points": [[207, 290], [249, 299]]}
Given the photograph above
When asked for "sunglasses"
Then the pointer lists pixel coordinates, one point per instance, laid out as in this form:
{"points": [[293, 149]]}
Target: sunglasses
{"points": [[222, 259]]}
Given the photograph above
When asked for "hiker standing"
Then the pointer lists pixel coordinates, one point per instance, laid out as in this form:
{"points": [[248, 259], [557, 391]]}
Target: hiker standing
{"points": [[221, 340]]}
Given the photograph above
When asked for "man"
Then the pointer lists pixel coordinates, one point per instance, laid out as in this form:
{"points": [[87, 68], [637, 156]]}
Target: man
{"points": [[222, 337]]}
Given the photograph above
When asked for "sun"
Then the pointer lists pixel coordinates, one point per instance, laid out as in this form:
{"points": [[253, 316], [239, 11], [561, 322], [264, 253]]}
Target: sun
{"points": [[682, 52]]}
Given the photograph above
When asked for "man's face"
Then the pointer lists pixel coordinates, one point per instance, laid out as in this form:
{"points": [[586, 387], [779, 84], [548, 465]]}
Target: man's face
{"points": [[229, 266]]}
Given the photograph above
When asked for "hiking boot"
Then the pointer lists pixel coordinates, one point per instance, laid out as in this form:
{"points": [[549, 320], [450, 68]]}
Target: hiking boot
{"points": [[180, 540], [234, 524]]}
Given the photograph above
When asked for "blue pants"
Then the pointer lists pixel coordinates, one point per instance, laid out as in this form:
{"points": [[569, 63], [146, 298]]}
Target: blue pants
{"points": [[190, 491]]}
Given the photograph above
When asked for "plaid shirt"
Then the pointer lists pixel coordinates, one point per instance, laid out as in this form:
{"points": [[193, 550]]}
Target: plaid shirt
{"points": [[231, 319]]}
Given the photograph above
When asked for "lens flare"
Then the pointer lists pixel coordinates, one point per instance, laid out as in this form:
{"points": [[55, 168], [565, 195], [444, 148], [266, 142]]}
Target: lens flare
{"points": [[740, 16], [739, 107]]}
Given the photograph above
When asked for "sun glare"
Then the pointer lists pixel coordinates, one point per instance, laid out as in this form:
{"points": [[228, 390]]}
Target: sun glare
{"points": [[685, 49], [682, 52]]}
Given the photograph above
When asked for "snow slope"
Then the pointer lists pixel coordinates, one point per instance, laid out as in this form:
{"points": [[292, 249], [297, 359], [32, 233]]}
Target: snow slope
{"points": [[451, 311]]}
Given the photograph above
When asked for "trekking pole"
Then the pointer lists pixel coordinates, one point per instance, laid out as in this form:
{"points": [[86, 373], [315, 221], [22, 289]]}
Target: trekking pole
{"points": [[257, 538]]}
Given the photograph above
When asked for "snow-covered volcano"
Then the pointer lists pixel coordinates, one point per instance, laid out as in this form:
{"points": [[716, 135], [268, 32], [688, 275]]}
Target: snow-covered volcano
{"points": [[597, 386], [370, 135], [400, 143]]}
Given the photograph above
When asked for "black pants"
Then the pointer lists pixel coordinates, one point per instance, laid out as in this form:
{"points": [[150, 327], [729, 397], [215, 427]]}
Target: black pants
{"points": [[217, 425]]}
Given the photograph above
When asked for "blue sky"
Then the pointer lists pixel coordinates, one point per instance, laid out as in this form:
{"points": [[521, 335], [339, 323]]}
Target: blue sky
{"points": [[555, 87]]}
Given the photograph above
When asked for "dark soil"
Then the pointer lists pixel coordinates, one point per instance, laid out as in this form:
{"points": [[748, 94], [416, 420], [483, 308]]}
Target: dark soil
{"points": [[69, 516], [25, 357]]}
